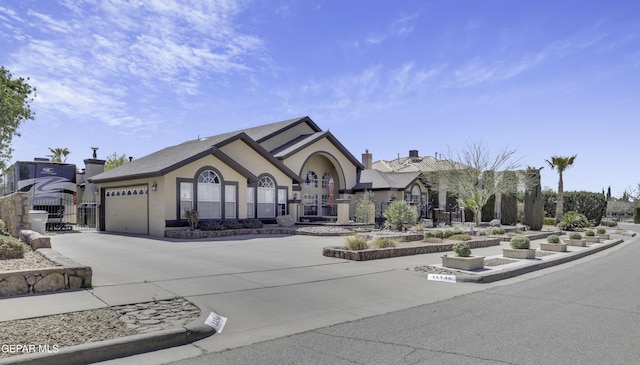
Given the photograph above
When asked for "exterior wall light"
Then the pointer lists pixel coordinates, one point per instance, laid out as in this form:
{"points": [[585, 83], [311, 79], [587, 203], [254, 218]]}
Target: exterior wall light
{"points": [[154, 186]]}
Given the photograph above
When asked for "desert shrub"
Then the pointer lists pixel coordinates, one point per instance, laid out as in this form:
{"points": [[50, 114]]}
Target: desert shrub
{"points": [[575, 236], [589, 233], [549, 221], [11, 248], [462, 249], [519, 242], [572, 221], [601, 231], [252, 223], [609, 223], [418, 227], [483, 232], [553, 239], [497, 231], [3, 225], [384, 242], [460, 237], [356, 243], [432, 240], [447, 233], [211, 226], [436, 233], [399, 214], [193, 217]]}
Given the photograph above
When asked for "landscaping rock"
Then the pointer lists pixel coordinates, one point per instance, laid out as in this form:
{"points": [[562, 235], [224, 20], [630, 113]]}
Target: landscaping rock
{"points": [[285, 221]]}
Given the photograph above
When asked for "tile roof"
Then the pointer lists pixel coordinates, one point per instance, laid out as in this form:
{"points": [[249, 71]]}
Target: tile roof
{"points": [[413, 164], [376, 179]]}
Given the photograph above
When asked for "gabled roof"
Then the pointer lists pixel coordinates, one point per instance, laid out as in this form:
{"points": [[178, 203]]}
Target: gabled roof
{"points": [[379, 180], [286, 150], [168, 159]]}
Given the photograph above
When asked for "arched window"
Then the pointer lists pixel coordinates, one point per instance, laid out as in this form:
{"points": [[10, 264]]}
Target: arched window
{"points": [[266, 198], [310, 180], [415, 195], [209, 196]]}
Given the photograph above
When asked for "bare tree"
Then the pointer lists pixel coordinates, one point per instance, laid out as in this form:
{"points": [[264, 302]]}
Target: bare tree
{"points": [[474, 173]]}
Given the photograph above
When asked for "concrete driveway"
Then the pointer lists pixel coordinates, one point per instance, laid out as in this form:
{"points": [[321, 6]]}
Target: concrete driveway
{"points": [[267, 286]]}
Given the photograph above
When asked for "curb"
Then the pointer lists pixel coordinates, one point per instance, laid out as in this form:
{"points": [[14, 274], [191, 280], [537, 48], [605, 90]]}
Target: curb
{"points": [[506, 274], [121, 346]]}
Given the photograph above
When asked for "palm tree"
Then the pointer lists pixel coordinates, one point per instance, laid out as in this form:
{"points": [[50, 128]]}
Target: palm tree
{"points": [[560, 164], [59, 154]]}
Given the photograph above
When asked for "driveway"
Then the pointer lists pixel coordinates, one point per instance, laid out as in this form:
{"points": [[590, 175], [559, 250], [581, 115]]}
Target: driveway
{"points": [[267, 286]]}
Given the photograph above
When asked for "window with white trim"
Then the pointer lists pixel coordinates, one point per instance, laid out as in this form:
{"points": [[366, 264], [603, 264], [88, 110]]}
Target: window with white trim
{"points": [[186, 197], [266, 198], [209, 195], [251, 205], [229, 201]]}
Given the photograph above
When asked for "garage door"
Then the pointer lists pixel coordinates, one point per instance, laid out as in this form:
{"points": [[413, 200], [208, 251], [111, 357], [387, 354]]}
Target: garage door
{"points": [[126, 210]]}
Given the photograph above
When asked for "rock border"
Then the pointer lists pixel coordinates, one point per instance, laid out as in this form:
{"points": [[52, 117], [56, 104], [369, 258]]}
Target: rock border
{"points": [[68, 275], [383, 253]]}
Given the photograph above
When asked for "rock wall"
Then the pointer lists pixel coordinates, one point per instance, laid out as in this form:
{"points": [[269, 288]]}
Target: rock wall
{"points": [[68, 275], [383, 253], [14, 211]]}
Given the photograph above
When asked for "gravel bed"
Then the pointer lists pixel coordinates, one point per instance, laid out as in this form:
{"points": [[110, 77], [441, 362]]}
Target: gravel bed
{"points": [[498, 262], [32, 260], [55, 332]]}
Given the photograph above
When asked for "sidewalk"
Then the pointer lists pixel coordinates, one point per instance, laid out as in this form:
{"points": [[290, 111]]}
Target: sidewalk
{"points": [[285, 287]]}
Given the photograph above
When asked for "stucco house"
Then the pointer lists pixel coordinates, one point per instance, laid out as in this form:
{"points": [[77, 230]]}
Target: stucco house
{"points": [[285, 168]]}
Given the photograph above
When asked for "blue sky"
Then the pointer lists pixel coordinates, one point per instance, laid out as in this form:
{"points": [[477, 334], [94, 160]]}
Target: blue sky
{"points": [[542, 77]]}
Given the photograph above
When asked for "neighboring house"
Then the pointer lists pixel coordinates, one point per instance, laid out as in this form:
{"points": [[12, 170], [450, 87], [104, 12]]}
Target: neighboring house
{"points": [[386, 187], [286, 168]]}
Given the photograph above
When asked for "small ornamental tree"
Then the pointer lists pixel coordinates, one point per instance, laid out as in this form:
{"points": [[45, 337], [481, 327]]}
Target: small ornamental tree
{"points": [[400, 214], [365, 208]]}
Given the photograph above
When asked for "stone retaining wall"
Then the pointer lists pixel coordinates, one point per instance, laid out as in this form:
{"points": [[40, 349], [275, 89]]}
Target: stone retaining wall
{"points": [[383, 253], [189, 234], [69, 275], [14, 211]]}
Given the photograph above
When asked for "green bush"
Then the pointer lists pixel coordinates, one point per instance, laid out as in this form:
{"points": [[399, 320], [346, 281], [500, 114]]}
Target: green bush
{"points": [[437, 233], [356, 243], [365, 208], [252, 223], [460, 237], [399, 214], [193, 217], [519, 242], [553, 239], [549, 221], [575, 236], [497, 231], [591, 205], [432, 240], [384, 242], [571, 221], [589, 233], [601, 231], [232, 225], [11, 248], [211, 226], [462, 249], [609, 223]]}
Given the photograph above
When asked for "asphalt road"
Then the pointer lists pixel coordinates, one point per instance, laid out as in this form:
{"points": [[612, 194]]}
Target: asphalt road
{"points": [[585, 313]]}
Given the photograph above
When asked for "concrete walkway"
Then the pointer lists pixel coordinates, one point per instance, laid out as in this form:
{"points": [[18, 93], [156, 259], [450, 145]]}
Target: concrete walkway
{"points": [[267, 286]]}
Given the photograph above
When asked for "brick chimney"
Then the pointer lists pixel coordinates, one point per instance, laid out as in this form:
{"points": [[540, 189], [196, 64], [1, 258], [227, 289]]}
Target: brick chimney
{"points": [[367, 159]]}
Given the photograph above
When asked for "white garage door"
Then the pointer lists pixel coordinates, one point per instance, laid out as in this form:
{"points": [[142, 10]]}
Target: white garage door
{"points": [[126, 210]]}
